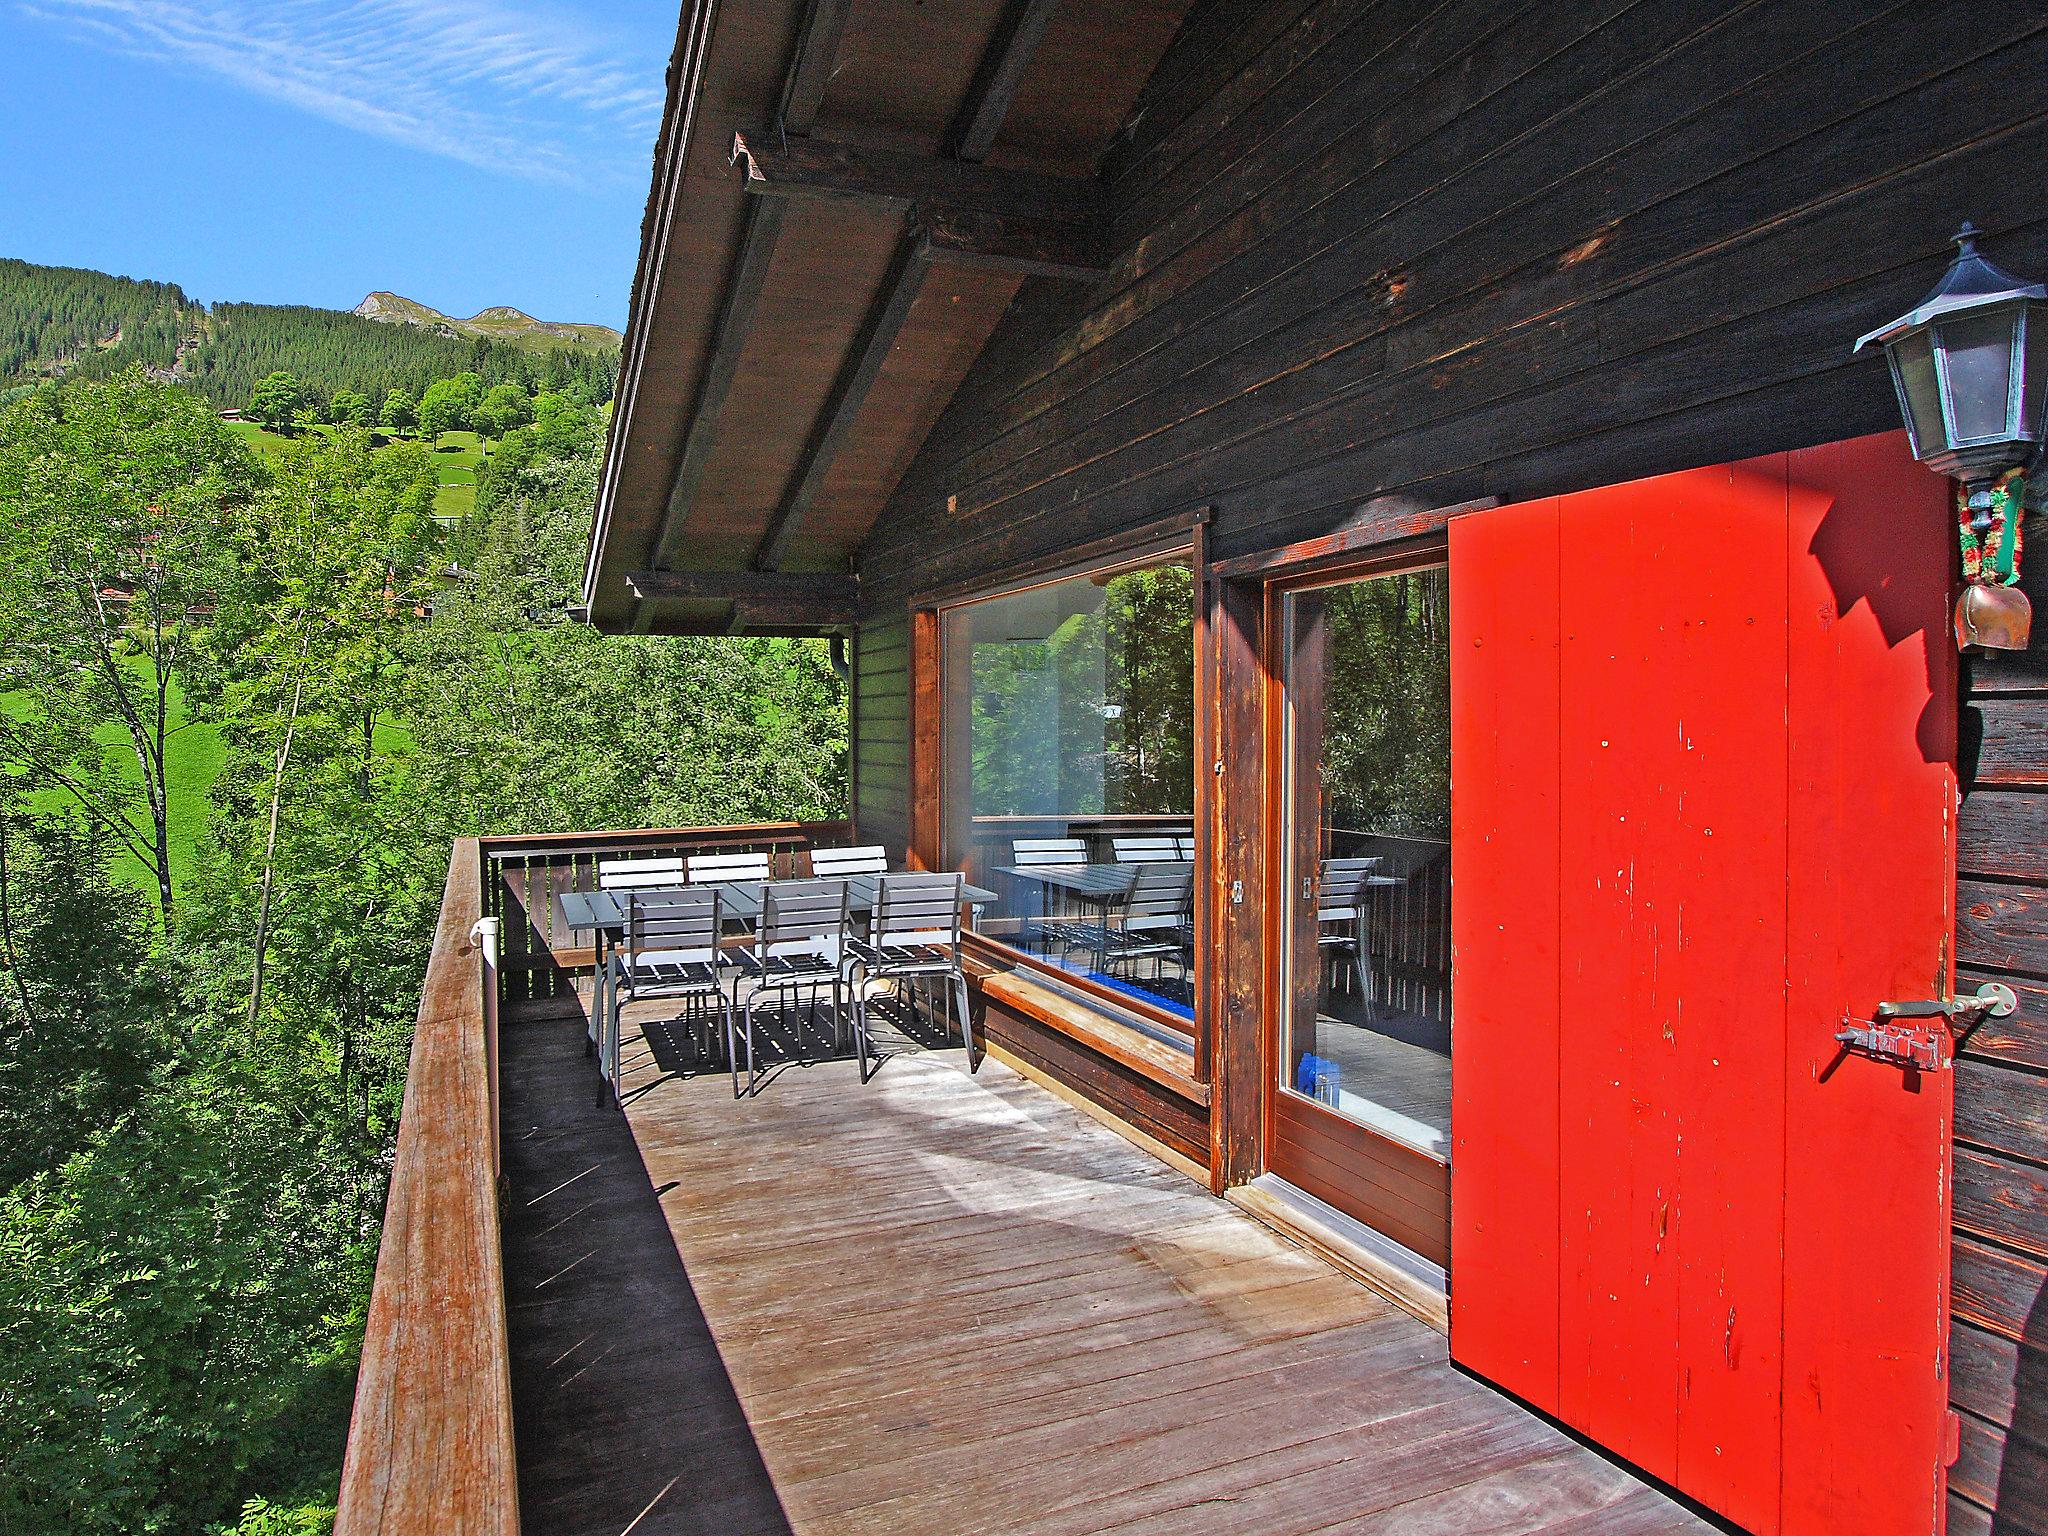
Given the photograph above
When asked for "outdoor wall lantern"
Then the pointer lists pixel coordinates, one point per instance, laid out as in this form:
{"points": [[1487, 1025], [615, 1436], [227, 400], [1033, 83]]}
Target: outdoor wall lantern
{"points": [[1970, 362]]}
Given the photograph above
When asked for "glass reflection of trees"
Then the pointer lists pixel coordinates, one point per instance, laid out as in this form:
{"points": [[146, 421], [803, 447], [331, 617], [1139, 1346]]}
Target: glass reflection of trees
{"points": [[1387, 724], [1096, 718]]}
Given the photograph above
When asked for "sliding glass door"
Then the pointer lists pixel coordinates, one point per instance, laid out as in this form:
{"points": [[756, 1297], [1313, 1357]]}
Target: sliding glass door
{"points": [[1361, 1087]]}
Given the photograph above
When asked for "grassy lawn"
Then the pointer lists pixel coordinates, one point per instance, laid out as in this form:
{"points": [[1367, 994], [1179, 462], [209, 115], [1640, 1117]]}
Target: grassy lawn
{"points": [[195, 754], [457, 458], [456, 461]]}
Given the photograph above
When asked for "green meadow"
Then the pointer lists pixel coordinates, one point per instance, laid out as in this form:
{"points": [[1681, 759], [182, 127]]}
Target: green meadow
{"points": [[457, 458], [194, 754]]}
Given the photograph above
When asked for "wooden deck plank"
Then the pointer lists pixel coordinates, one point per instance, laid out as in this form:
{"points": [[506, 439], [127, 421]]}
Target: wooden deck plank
{"points": [[953, 1303]]}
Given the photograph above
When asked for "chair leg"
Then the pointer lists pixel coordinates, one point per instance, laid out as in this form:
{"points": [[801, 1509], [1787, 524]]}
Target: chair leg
{"points": [[747, 1026], [966, 1022], [861, 1043]]}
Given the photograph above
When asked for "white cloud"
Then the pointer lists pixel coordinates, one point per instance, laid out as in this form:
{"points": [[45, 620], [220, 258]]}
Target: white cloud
{"points": [[531, 92]]}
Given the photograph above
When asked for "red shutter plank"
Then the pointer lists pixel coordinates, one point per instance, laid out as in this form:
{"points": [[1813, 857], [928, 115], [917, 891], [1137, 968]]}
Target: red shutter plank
{"points": [[1504, 938], [1705, 801], [1873, 690]]}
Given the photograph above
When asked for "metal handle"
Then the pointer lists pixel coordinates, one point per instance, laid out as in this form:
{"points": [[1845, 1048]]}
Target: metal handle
{"points": [[1994, 999], [1926, 1046]]}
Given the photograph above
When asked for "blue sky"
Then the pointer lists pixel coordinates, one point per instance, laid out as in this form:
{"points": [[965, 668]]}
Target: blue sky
{"points": [[461, 152]]}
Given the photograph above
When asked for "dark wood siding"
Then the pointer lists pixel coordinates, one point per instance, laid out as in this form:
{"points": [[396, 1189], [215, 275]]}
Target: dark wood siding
{"points": [[1453, 250], [1999, 1341], [881, 742], [1432, 252]]}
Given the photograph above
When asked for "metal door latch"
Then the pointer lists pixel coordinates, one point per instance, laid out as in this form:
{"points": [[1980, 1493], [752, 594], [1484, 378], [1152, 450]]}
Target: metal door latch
{"points": [[1895, 1032]]}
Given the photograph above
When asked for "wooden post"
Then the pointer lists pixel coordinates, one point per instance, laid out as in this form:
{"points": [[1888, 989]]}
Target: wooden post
{"points": [[926, 728], [1236, 828]]}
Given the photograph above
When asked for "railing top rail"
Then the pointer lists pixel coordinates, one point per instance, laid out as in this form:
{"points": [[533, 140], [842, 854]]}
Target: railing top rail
{"points": [[430, 1441], [778, 832]]}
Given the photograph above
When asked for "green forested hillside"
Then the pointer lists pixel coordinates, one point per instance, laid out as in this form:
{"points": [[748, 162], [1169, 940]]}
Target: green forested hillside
{"points": [[66, 321], [329, 351], [91, 320]]}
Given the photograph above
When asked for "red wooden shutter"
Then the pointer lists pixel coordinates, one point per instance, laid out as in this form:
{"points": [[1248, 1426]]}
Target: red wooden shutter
{"points": [[1702, 787]]}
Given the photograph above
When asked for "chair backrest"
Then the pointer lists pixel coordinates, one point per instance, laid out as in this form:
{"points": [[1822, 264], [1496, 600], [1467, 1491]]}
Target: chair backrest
{"points": [[708, 867], [1160, 896], [827, 862], [801, 917], [1026, 852], [1147, 850], [1343, 887], [917, 909], [682, 928], [638, 874]]}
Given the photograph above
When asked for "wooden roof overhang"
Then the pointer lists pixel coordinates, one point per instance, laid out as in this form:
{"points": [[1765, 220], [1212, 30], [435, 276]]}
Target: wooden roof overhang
{"points": [[847, 195]]}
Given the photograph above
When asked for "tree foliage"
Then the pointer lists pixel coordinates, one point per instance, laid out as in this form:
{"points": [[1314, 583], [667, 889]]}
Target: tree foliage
{"points": [[117, 496], [196, 1119]]}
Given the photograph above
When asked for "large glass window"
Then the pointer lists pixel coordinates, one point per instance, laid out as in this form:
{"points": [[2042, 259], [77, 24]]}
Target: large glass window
{"points": [[1367, 984], [1069, 775]]}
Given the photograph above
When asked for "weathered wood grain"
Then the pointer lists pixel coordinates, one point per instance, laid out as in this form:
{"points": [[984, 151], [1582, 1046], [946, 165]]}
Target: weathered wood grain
{"points": [[2002, 927], [999, 1284], [430, 1445]]}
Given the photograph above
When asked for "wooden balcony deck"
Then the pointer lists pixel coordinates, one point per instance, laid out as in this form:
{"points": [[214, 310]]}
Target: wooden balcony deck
{"points": [[952, 1304]]}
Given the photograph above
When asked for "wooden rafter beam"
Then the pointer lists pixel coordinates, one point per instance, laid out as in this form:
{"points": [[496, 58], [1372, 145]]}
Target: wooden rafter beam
{"points": [[782, 165], [829, 588], [960, 212], [803, 89], [810, 66], [857, 375], [1026, 247], [988, 100], [743, 288]]}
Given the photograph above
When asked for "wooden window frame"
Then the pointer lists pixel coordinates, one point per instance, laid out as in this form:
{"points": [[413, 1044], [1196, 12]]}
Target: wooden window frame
{"points": [[1180, 538]]}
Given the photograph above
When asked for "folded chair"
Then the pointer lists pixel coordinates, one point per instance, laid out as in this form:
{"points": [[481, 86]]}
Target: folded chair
{"points": [[670, 949], [913, 940], [798, 948]]}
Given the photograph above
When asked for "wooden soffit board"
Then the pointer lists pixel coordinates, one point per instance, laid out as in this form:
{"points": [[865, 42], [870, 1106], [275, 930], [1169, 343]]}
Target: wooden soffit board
{"points": [[803, 311]]}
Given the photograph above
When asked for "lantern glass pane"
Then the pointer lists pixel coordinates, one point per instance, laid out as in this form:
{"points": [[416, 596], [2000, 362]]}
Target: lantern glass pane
{"points": [[1977, 350], [2034, 366], [1920, 391]]}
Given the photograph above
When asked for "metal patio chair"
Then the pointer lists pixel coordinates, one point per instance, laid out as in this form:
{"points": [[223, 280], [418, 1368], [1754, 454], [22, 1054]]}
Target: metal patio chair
{"points": [[669, 949], [1152, 919], [913, 940], [638, 874], [1056, 923], [799, 945], [716, 868], [1147, 850], [1343, 897], [836, 863]]}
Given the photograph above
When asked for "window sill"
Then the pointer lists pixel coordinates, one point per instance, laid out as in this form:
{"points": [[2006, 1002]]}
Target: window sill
{"points": [[1130, 1048]]}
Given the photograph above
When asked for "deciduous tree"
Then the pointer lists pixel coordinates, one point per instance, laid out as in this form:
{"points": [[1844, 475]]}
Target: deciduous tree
{"points": [[275, 401], [118, 498]]}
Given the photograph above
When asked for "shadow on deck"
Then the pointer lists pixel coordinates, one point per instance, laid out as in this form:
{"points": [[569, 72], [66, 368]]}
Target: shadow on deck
{"points": [[950, 1304]]}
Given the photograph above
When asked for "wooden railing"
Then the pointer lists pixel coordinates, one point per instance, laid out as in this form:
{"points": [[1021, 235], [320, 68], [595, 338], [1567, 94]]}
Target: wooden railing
{"points": [[430, 1442], [524, 875]]}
